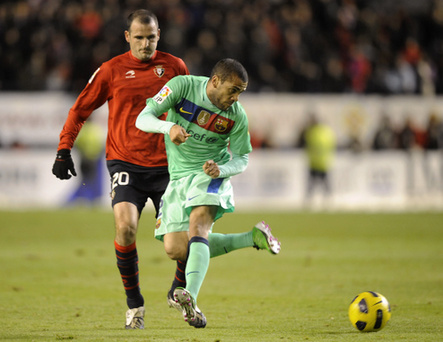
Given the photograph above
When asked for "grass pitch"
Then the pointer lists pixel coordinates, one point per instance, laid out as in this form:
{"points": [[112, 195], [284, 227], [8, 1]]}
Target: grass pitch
{"points": [[59, 279]]}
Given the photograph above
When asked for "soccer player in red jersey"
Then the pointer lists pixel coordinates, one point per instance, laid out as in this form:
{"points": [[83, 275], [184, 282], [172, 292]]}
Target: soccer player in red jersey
{"points": [[136, 160]]}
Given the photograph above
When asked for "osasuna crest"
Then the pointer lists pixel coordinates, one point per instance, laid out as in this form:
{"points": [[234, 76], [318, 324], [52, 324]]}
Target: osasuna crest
{"points": [[221, 125], [159, 70]]}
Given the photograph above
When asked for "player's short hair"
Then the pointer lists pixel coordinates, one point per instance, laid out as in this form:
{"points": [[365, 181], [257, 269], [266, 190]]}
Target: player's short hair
{"points": [[227, 67], [143, 15]]}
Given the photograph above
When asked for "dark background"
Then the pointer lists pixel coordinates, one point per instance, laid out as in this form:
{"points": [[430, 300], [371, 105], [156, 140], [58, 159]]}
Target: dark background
{"points": [[299, 46]]}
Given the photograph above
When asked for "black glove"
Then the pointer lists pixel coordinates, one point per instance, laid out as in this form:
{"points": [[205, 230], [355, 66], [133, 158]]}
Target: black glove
{"points": [[63, 163]]}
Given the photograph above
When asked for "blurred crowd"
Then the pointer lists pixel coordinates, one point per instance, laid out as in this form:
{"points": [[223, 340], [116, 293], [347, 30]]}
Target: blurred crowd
{"points": [[303, 46], [408, 136], [405, 135]]}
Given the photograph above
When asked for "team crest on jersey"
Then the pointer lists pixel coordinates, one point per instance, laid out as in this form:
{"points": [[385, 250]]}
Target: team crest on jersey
{"points": [[162, 94], [221, 125], [159, 70], [203, 118]]}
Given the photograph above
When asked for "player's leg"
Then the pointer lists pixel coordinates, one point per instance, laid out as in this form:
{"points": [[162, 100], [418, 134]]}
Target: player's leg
{"points": [[126, 217], [192, 193], [176, 244], [128, 201], [260, 237], [200, 223], [157, 182], [176, 247]]}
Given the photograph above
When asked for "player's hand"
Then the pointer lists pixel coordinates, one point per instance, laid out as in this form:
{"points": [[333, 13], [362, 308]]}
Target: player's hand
{"points": [[63, 163], [178, 134], [211, 169]]}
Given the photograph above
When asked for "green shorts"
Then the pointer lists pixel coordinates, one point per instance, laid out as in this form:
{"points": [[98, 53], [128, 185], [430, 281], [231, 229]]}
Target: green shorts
{"points": [[191, 191]]}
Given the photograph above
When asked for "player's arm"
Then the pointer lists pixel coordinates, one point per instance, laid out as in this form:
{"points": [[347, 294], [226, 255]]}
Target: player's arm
{"points": [[92, 97], [235, 166], [147, 121]]}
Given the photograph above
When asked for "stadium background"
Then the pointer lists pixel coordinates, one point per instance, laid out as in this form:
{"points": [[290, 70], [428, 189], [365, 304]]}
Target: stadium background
{"points": [[350, 62]]}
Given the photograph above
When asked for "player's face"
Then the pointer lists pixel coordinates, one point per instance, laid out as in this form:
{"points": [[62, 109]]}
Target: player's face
{"points": [[142, 39], [226, 93]]}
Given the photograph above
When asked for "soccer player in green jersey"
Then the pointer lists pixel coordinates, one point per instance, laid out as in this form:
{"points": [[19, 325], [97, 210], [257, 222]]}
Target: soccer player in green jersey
{"points": [[204, 119]]}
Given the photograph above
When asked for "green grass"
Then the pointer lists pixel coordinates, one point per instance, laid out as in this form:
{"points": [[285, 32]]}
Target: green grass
{"points": [[59, 279]]}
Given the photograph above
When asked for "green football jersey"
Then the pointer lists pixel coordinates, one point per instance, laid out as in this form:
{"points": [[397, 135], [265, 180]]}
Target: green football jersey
{"points": [[212, 130]]}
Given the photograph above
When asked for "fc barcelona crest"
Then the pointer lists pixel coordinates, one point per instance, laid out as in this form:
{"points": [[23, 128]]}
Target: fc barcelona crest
{"points": [[159, 70], [221, 125]]}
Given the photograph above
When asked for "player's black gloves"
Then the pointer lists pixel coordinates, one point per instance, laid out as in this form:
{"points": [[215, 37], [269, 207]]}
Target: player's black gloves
{"points": [[63, 163]]}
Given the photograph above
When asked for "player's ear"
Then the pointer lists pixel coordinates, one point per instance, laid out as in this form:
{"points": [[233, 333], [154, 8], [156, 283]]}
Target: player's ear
{"points": [[127, 36], [215, 80]]}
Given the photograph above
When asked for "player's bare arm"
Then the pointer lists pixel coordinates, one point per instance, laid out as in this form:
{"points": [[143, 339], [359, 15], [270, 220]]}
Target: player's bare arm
{"points": [[211, 169]]}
